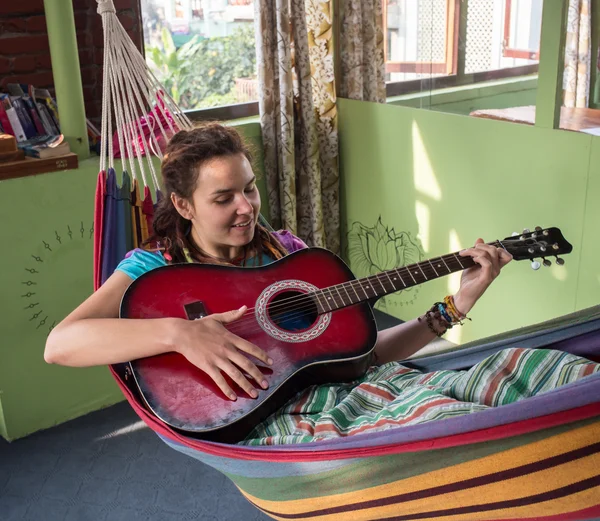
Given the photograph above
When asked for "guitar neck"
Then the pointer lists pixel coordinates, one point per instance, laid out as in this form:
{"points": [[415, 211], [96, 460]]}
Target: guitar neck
{"points": [[375, 286]]}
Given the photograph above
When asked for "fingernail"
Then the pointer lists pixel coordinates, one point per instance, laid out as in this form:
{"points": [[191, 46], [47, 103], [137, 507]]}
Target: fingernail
{"points": [[254, 394], [264, 384], [270, 361], [233, 397]]}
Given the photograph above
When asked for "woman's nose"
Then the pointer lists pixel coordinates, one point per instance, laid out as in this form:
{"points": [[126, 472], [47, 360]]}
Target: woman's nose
{"points": [[244, 206]]}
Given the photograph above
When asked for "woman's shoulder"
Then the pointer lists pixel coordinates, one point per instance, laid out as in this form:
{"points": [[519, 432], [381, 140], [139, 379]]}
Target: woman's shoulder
{"points": [[138, 261], [289, 241]]}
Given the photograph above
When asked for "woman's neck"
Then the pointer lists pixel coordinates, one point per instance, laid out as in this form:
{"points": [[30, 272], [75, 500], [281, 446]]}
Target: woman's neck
{"points": [[224, 254]]}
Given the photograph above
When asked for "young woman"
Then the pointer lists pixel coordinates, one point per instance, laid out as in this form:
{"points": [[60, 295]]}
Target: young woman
{"points": [[210, 215]]}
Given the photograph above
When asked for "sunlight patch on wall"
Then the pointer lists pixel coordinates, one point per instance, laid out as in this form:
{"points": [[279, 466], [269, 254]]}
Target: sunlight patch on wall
{"points": [[423, 219], [559, 272], [454, 334], [424, 176]]}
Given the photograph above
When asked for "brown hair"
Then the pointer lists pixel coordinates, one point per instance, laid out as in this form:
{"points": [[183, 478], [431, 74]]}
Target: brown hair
{"points": [[184, 156]]}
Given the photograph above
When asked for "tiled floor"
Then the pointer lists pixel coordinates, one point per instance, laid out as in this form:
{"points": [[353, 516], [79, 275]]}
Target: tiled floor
{"points": [[108, 466]]}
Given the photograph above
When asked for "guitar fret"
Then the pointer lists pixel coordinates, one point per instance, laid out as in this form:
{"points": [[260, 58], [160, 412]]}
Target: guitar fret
{"points": [[390, 279], [456, 257], [316, 293], [434, 270], [411, 276], [347, 294], [419, 265], [381, 284], [353, 289], [362, 287], [331, 298], [447, 267], [397, 270], [341, 298]]}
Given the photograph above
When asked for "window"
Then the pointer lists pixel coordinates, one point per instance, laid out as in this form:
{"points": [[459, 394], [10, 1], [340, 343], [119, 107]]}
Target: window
{"points": [[522, 29], [203, 52], [432, 44], [421, 39]]}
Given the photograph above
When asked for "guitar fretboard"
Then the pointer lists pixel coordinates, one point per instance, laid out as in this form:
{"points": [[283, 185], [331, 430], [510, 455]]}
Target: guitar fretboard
{"points": [[391, 281]]}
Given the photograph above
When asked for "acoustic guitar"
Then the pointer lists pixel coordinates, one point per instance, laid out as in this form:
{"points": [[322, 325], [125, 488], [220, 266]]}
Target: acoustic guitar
{"points": [[307, 311]]}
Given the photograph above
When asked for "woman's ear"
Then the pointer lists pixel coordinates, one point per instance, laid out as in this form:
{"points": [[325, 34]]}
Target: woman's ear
{"points": [[183, 206]]}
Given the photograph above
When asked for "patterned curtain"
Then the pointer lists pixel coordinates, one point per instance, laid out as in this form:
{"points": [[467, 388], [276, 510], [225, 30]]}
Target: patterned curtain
{"points": [[298, 117], [578, 53], [361, 45]]}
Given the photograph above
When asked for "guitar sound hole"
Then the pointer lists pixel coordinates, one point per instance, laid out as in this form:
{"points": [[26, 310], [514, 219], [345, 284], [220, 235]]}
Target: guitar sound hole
{"points": [[293, 311]]}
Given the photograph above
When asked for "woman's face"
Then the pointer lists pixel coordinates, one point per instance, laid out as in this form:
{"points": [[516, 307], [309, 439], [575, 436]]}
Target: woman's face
{"points": [[225, 206]]}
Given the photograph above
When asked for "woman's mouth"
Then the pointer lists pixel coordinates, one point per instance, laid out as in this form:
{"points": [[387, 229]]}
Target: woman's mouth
{"points": [[242, 225]]}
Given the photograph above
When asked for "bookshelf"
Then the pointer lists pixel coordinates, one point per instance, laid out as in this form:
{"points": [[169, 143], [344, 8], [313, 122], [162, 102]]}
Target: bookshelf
{"points": [[31, 166]]}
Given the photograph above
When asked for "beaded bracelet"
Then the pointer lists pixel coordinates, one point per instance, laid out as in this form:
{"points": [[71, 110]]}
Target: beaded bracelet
{"points": [[445, 314], [456, 316]]}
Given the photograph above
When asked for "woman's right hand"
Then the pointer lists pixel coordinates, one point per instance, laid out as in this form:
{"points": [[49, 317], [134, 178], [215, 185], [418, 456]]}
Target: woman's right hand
{"points": [[208, 345]]}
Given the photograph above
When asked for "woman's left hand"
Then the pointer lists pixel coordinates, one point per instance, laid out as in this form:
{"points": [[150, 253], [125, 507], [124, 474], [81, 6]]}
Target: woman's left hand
{"points": [[475, 280]]}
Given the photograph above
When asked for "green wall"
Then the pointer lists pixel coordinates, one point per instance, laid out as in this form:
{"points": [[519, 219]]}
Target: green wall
{"points": [[48, 225], [47, 272], [447, 180]]}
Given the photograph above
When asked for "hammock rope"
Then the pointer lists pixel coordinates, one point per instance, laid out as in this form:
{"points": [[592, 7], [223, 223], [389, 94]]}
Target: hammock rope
{"points": [[136, 97]]}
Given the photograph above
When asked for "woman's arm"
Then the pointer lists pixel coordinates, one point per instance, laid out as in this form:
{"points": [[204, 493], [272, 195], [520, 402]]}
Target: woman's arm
{"points": [[94, 335], [400, 342]]}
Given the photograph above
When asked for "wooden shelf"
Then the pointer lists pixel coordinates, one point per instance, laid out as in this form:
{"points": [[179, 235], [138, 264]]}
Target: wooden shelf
{"points": [[31, 166]]}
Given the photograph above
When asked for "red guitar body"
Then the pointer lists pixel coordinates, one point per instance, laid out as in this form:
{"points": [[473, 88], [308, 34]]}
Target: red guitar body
{"points": [[336, 346]]}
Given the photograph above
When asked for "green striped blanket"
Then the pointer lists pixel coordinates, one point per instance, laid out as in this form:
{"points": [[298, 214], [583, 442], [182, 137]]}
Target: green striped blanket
{"points": [[393, 395]]}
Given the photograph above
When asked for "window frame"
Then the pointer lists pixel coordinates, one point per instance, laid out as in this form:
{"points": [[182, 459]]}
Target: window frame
{"points": [[224, 112], [511, 52], [398, 88], [449, 66]]}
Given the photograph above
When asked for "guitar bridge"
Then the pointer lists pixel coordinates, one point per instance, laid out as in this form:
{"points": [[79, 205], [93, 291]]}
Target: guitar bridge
{"points": [[195, 310]]}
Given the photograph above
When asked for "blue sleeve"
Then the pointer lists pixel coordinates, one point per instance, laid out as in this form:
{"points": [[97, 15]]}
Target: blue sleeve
{"points": [[138, 262]]}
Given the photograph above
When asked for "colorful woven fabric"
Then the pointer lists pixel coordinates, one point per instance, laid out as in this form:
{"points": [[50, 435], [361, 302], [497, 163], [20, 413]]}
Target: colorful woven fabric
{"points": [[393, 395], [536, 458]]}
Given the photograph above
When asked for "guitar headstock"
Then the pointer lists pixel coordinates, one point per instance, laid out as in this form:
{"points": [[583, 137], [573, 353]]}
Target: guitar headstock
{"points": [[540, 243]]}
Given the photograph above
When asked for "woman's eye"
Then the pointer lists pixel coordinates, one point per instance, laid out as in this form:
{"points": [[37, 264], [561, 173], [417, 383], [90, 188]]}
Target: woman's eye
{"points": [[251, 189], [223, 201]]}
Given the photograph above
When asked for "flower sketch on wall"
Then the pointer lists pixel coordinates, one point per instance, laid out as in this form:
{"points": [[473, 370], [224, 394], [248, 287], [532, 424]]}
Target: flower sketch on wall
{"points": [[372, 250]]}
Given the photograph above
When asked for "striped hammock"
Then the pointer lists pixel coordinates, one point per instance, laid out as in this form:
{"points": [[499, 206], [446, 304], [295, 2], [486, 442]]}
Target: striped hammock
{"points": [[536, 459]]}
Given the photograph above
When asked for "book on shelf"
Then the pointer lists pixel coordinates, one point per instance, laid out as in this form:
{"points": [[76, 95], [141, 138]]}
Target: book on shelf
{"points": [[10, 119], [42, 147]]}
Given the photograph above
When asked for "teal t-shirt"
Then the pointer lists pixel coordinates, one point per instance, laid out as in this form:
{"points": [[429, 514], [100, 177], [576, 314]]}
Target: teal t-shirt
{"points": [[138, 262]]}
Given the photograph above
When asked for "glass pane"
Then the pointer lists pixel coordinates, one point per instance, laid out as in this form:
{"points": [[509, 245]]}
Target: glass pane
{"points": [[465, 56], [202, 51], [501, 37], [417, 43]]}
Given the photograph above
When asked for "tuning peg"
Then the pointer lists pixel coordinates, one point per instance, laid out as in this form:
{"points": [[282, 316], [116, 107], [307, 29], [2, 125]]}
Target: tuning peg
{"points": [[547, 263], [538, 228], [535, 265], [526, 230], [514, 234], [560, 261]]}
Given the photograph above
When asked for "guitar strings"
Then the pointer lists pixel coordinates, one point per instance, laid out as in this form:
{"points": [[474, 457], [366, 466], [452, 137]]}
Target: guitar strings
{"points": [[307, 301], [300, 311]]}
